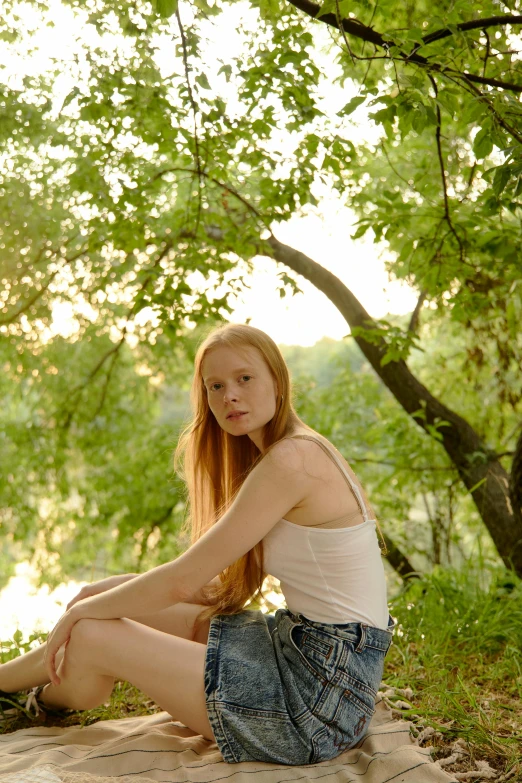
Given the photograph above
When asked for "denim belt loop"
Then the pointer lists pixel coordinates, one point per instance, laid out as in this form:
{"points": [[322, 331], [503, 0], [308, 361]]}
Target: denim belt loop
{"points": [[362, 641]]}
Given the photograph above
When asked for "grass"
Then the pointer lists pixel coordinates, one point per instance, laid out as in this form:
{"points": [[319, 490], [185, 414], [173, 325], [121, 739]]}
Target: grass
{"points": [[457, 645]]}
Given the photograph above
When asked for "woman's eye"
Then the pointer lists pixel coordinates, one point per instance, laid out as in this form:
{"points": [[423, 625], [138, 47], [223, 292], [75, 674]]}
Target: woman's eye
{"points": [[215, 386]]}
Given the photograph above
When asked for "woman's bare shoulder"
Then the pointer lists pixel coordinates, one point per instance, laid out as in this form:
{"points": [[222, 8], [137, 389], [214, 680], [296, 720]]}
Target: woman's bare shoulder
{"points": [[298, 453]]}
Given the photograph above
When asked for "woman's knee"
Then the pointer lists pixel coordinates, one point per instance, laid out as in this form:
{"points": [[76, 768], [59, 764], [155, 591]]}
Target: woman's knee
{"points": [[88, 636]]}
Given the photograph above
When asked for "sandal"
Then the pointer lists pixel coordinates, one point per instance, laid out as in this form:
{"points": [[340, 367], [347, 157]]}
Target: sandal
{"points": [[10, 703], [28, 702], [34, 702]]}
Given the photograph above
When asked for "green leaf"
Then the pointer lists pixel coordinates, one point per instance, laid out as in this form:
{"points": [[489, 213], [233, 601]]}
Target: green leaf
{"points": [[473, 112], [384, 116], [361, 230], [482, 144], [415, 34], [165, 8], [202, 80], [227, 70], [351, 105], [501, 179], [420, 119], [488, 174], [328, 7], [448, 101], [512, 317]]}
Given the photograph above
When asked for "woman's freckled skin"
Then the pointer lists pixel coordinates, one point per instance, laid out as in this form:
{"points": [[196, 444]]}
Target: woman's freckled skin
{"points": [[240, 381]]}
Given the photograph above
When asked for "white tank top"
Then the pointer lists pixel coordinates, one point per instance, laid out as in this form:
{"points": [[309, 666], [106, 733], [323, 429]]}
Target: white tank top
{"points": [[330, 575]]}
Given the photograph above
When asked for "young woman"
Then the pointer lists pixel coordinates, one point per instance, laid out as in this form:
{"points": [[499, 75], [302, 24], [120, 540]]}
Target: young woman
{"points": [[268, 495]]}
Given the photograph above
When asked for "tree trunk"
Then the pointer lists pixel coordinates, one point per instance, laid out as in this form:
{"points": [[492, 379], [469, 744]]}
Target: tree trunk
{"points": [[515, 481], [478, 467], [398, 560]]}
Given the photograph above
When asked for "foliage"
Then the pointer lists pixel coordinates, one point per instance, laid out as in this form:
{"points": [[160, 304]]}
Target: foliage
{"points": [[410, 480], [95, 495], [457, 646], [98, 496], [131, 188], [107, 502], [138, 174], [129, 179]]}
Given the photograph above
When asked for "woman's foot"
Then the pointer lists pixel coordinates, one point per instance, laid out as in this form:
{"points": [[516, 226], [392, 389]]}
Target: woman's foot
{"points": [[30, 702], [12, 702]]}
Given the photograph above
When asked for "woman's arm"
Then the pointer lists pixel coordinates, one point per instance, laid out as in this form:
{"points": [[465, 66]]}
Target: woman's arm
{"points": [[277, 484], [201, 595], [143, 594], [146, 593]]}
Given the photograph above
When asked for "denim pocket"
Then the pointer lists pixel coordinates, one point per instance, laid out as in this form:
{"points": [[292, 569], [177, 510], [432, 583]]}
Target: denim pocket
{"points": [[362, 672], [317, 654]]}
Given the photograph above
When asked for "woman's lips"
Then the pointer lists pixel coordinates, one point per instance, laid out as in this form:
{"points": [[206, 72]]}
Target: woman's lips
{"points": [[235, 416]]}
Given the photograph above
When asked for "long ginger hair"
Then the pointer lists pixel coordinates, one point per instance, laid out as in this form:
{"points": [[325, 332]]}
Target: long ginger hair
{"points": [[214, 464]]}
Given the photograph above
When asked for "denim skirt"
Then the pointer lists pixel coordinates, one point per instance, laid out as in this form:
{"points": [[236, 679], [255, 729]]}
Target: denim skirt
{"points": [[284, 689]]}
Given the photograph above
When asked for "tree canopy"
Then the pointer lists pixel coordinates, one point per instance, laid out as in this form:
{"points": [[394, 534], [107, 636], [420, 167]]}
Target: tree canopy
{"points": [[155, 150]]}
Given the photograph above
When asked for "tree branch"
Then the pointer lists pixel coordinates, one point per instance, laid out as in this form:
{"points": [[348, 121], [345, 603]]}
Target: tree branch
{"points": [[414, 320], [487, 52], [398, 560], [194, 114], [251, 208], [11, 318], [477, 466], [481, 80], [475, 24], [30, 302], [470, 181], [105, 386], [399, 176], [447, 215], [515, 481], [454, 75], [360, 30], [365, 33], [77, 392], [343, 31]]}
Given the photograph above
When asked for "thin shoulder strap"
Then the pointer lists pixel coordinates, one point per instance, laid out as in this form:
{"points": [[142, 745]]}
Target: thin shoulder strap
{"points": [[353, 486]]}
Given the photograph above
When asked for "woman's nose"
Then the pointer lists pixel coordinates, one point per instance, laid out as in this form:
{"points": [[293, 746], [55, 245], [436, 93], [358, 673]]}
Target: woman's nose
{"points": [[230, 394]]}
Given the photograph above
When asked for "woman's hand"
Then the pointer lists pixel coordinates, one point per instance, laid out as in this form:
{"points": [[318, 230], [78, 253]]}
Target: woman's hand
{"points": [[60, 634], [100, 587]]}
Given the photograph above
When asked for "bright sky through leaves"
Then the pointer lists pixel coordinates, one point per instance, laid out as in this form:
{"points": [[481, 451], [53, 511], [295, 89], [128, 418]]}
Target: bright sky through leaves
{"points": [[325, 235]]}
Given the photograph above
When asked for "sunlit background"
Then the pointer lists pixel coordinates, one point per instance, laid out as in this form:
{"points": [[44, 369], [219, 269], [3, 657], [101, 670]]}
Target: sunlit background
{"points": [[324, 235]]}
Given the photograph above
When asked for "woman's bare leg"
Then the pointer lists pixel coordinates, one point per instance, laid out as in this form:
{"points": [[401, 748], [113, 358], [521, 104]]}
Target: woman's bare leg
{"points": [[169, 669], [28, 670]]}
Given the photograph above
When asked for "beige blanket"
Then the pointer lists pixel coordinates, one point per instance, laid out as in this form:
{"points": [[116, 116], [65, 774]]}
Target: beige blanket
{"points": [[156, 748]]}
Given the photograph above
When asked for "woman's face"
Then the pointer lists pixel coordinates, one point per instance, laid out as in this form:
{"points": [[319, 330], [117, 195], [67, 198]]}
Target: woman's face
{"points": [[241, 392]]}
